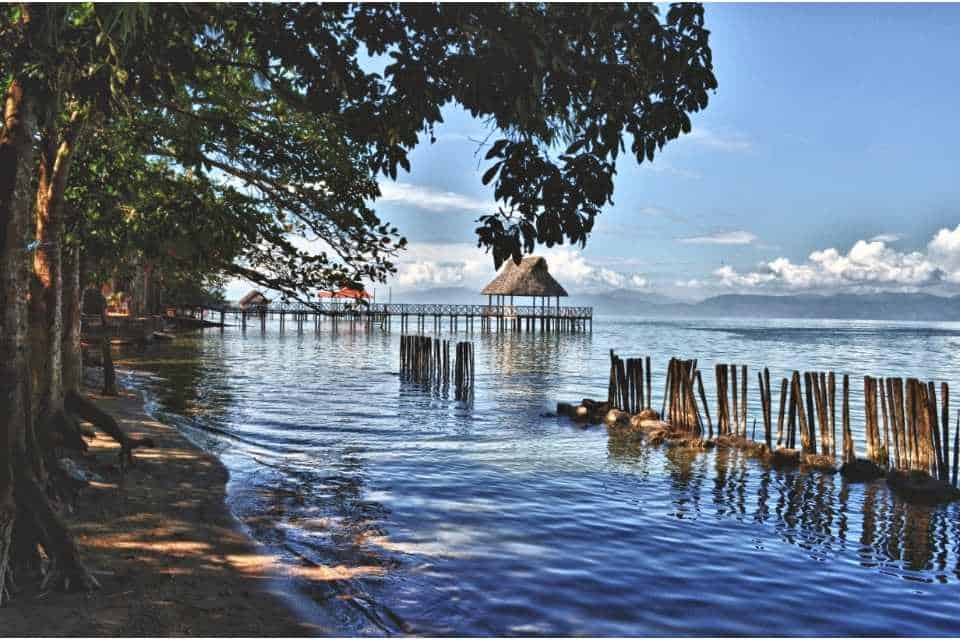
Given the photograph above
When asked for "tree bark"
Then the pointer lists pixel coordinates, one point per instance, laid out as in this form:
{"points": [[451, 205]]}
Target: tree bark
{"points": [[46, 310], [72, 356], [16, 160]]}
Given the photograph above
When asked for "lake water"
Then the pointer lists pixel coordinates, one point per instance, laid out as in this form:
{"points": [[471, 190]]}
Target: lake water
{"points": [[430, 516]]}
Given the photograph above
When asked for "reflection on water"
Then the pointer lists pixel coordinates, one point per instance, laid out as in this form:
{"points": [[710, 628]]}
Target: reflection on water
{"points": [[420, 514]]}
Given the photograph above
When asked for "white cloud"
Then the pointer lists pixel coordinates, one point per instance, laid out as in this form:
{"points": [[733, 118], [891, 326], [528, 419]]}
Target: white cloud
{"points": [[723, 237], [868, 264], [944, 249], [429, 199], [432, 274], [459, 264], [732, 142], [659, 166], [885, 237]]}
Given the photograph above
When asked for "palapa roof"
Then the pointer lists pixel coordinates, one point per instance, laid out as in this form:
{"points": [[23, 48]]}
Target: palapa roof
{"points": [[529, 278], [254, 297]]}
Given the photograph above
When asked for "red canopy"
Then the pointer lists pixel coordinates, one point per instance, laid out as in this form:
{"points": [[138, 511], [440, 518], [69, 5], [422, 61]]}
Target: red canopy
{"points": [[345, 292]]}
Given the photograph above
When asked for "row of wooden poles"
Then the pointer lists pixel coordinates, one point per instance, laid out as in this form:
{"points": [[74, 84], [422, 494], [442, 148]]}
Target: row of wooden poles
{"points": [[906, 428], [626, 389], [426, 361]]}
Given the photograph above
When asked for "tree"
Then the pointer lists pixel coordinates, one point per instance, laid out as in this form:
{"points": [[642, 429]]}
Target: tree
{"points": [[248, 139]]}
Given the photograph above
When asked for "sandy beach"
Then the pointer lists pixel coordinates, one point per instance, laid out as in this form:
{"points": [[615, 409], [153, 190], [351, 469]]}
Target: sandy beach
{"points": [[170, 558]]}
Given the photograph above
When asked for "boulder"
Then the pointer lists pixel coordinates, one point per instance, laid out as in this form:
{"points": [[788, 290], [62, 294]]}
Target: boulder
{"points": [[784, 457], [648, 414], [616, 417], [580, 412], [861, 470], [824, 464], [918, 486], [565, 409], [595, 405]]}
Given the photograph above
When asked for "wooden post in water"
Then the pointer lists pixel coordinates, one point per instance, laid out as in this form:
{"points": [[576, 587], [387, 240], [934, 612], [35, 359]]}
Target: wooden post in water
{"points": [[945, 421], [706, 405], [736, 401], [612, 386], [783, 404], [719, 371], [743, 400], [956, 450], [886, 424], [649, 382], [849, 453], [811, 446]]}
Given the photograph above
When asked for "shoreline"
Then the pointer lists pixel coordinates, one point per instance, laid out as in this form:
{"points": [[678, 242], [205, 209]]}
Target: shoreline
{"points": [[170, 557]]}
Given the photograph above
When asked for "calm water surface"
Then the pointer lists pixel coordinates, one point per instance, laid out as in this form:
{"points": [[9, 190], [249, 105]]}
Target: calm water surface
{"points": [[422, 515]]}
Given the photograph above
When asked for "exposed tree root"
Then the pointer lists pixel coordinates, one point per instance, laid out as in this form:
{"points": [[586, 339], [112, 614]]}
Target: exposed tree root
{"points": [[7, 518], [83, 407], [66, 571], [66, 433]]}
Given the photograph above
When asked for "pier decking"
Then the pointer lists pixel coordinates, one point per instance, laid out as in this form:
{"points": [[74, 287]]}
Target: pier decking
{"points": [[485, 317]]}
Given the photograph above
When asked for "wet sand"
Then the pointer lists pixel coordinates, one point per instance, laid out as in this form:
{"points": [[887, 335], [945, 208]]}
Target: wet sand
{"points": [[169, 556]]}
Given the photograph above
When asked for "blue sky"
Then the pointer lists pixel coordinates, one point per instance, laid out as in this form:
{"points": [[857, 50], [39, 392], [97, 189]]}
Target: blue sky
{"points": [[827, 160]]}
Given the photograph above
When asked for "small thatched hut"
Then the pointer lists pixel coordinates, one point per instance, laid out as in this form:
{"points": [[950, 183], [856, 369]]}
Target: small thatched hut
{"points": [[252, 300], [530, 278]]}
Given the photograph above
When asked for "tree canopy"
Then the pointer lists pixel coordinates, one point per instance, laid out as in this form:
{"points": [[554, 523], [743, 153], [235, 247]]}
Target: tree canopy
{"points": [[215, 140]]}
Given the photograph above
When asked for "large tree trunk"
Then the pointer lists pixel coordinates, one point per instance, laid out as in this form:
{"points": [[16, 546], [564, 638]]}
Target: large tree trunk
{"points": [[16, 163], [72, 356], [22, 473], [47, 296]]}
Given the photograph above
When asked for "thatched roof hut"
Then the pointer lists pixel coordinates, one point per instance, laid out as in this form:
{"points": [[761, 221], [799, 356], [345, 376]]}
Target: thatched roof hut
{"points": [[529, 278], [253, 299]]}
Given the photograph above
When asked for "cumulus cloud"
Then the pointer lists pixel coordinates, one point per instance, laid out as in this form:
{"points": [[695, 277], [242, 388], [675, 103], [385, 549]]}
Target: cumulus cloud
{"points": [[432, 274], [459, 264], [868, 264], [723, 237], [429, 199]]}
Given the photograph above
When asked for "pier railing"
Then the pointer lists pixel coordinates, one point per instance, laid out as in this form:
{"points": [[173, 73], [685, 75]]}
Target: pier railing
{"points": [[401, 309]]}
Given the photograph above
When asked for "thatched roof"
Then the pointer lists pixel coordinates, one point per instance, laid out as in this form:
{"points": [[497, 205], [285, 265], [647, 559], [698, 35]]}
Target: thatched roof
{"points": [[254, 298], [529, 278]]}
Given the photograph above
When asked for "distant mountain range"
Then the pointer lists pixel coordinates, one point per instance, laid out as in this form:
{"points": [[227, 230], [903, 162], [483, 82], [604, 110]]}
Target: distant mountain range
{"points": [[880, 306]]}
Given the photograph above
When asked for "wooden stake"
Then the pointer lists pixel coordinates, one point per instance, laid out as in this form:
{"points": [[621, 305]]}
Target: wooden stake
{"points": [[886, 427], [849, 452], [945, 421], [811, 416], [792, 418], [736, 408], [783, 403], [706, 405], [743, 398]]}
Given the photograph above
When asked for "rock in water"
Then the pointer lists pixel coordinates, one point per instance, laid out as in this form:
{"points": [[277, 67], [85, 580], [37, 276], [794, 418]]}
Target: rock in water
{"points": [[861, 470], [565, 409], [617, 417], [824, 464], [784, 457], [921, 487]]}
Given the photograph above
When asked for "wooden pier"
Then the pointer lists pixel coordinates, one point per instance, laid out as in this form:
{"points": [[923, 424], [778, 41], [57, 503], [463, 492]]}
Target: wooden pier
{"points": [[412, 317]]}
